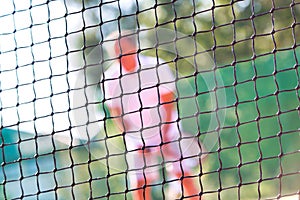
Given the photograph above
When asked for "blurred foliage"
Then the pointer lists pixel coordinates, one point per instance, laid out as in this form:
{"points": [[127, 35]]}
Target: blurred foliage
{"points": [[251, 43], [256, 84], [229, 30]]}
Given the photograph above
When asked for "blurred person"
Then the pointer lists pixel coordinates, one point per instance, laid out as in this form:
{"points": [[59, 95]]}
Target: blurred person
{"points": [[140, 93]]}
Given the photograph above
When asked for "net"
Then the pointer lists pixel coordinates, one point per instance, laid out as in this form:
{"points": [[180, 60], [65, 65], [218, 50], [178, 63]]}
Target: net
{"points": [[236, 83]]}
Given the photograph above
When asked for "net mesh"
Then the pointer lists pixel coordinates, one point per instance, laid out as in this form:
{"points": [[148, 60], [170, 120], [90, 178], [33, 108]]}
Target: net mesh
{"points": [[236, 69]]}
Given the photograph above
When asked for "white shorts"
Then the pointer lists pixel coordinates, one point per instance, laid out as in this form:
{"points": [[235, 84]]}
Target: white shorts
{"points": [[148, 162]]}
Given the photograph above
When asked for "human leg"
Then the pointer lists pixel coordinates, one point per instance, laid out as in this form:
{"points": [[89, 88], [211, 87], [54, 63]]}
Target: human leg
{"points": [[143, 171], [181, 157]]}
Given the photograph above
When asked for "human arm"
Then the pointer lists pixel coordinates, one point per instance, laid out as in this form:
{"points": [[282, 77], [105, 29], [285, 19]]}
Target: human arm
{"points": [[116, 117], [168, 105], [167, 94]]}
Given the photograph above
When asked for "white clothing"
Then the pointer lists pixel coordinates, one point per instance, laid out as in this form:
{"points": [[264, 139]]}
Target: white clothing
{"points": [[138, 94]]}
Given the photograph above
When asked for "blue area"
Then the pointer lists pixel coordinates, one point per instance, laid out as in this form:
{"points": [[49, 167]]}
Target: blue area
{"points": [[19, 175]]}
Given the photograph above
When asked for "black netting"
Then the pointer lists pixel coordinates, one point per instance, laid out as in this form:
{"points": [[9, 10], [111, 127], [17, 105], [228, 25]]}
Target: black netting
{"points": [[229, 71]]}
